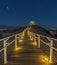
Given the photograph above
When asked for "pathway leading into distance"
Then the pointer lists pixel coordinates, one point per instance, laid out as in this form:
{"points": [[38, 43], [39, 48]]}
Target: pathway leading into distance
{"points": [[26, 54]]}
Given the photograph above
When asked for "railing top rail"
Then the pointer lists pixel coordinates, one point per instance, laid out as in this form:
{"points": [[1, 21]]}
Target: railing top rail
{"points": [[10, 42], [55, 48], [46, 36], [9, 36]]}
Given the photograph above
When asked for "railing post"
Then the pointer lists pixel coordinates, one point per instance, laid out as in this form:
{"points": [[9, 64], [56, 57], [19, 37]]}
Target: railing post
{"points": [[19, 36], [15, 41], [34, 38], [5, 52], [23, 33], [32, 35], [51, 51], [38, 41]]}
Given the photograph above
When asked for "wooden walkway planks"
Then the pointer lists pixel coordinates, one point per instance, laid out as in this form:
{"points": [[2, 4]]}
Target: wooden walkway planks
{"points": [[27, 54]]}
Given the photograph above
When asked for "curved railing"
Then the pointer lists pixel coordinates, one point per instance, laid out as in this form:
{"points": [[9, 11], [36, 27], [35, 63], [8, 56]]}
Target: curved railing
{"points": [[47, 44], [5, 44]]}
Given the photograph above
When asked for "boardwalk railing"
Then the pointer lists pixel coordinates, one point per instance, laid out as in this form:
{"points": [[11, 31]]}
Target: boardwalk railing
{"points": [[47, 44], [5, 45]]}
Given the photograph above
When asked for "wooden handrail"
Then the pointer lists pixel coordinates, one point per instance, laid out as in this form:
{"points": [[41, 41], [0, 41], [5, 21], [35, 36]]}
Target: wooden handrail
{"points": [[50, 44], [6, 43]]}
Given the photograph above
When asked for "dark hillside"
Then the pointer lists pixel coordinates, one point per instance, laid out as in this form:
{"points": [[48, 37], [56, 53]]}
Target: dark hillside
{"points": [[40, 30]]}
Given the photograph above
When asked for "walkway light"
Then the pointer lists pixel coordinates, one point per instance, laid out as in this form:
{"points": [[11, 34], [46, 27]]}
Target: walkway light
{"points": [[34, 43], [31, 38], [18, 48], [22, 37], [20, 40], [45, 59]]}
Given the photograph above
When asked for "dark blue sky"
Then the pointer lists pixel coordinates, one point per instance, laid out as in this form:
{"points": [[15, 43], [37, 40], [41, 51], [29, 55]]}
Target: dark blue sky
{"points": [[20, 12]]}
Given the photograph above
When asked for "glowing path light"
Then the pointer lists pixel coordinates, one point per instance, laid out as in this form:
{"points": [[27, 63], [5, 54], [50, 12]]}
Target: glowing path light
{"points": [[22, 37], [18, 48], [31, 38], [45, 59], [20, 40], [34, 43]]}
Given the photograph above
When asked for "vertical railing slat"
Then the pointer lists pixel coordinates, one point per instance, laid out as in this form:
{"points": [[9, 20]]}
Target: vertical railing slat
{"points": [[35, 39], [15, 41], [38, 41], [5, 52], [51, 51]]}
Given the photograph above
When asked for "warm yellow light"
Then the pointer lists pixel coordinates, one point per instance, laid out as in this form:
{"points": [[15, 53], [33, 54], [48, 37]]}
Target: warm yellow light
{"points": [[18, 48], [22, 37], [31, 38], [46, 59], [34, 43], [20, 40]]}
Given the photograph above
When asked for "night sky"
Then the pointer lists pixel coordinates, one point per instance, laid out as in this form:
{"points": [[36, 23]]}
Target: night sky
{"points": [[20, 12]]}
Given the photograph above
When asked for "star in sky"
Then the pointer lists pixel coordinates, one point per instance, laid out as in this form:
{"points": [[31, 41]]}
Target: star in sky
{"points": [[7, 8], [44, 12]]}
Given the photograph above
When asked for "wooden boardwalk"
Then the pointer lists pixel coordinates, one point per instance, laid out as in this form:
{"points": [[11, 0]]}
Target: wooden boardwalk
{"points": [[27, 54]]}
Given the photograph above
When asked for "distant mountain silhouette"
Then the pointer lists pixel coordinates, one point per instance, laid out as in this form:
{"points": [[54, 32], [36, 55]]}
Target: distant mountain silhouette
{"points": [[40, 30], [10, 31], [7, 27]]}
